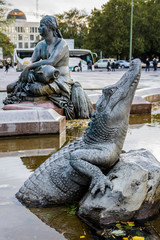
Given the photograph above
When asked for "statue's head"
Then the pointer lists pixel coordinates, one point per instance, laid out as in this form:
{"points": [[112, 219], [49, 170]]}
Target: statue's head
{"points": [[51, 23]]}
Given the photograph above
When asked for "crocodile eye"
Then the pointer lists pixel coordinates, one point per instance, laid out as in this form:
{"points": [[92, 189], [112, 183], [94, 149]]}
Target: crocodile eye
{"points": [[111, 91]]}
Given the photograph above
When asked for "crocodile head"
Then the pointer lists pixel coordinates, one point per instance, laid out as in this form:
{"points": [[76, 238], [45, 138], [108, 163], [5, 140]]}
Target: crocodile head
{"points": [[113, 107], [116, 99]]}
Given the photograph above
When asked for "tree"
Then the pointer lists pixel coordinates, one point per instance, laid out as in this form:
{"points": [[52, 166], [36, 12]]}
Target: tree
{"points": [[109, 28], [151, 31], [116, 27], [3, 10], [73, 26], [94, 39], [5, 42]]}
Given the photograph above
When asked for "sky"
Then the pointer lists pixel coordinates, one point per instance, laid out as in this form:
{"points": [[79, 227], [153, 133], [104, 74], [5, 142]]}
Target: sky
{"points": [[53, 6]]}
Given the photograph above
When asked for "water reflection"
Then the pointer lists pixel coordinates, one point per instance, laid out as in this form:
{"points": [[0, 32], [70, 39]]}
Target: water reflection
{"points": [[144, 134], [68, 225], [155, 226], [31, 146], [34, 162], [139, 119], [20, 156]]}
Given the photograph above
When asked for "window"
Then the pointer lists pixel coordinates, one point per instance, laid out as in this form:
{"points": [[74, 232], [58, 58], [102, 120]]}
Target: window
{"points": [[37, 37], [14, 37], [20, 29], [36, 29], [31, 29], [20, 37], [20, 45], [26, 45], [26, 38], [32, 45], [26, 29], [32, 37]]}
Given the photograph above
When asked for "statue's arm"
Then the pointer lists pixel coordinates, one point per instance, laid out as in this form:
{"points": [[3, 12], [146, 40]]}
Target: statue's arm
{"points": [[36, 54], [56, 55], [35, 57]]}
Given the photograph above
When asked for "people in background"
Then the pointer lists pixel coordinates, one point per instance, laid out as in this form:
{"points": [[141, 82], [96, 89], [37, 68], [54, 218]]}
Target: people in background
{"points": [[89, 63], [108, 65], [7, 64], [80, 66], [147, 65], [155, 64], [113, 66]]}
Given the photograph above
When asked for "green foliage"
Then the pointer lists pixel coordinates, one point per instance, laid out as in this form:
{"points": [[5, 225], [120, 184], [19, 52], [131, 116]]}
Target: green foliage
{"points": [[6, 44], [151, 31], [48, 215], [73, 26], [71, 209], [94, 39], [111, 26], [3, 11], [109, 29]]}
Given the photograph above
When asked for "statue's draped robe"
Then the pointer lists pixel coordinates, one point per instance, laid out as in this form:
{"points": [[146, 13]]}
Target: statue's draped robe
{"points": [[59, 91]]}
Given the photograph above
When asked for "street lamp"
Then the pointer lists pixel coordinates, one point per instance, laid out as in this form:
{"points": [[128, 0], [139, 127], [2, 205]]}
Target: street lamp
{"points": [[130, 49]]}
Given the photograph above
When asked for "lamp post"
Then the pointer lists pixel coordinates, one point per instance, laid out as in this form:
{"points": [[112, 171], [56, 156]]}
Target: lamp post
{"points": [[130, 48]]}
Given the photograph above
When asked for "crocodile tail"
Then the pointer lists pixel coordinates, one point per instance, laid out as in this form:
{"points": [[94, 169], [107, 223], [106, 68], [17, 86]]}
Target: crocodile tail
{"points": [[82, 104], [32, 193], [27, 195]]}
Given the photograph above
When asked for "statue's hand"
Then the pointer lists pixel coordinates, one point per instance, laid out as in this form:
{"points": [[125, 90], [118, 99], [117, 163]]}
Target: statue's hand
{"points": [[36, 88], [99, 182], [40, 89], [24, 75]]}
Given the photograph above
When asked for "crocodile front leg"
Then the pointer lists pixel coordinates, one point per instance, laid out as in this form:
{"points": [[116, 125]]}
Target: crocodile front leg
{"points": [[81, 161]]}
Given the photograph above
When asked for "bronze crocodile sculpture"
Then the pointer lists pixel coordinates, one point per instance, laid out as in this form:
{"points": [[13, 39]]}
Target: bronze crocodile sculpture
{"points": [[67, 174]]}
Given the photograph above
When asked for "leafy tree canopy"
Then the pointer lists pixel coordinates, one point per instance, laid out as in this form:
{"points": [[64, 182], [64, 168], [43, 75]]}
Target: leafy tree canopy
{"points": [[3, 11], [109, 29], [5, 42], [73, 25]]}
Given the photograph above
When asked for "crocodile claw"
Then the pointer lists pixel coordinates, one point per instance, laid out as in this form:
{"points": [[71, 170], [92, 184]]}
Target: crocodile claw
{"points": [[113, 176], [100, 183]]}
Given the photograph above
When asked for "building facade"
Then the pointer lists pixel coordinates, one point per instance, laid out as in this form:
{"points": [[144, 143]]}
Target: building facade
{"points": [[23, 34]]}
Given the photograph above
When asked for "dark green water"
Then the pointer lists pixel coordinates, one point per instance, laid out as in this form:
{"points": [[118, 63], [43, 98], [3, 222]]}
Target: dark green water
{"points": [[19, 157]]}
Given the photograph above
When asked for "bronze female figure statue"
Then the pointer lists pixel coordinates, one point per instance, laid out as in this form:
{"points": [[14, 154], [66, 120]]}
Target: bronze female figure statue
{"points": [[48, 74]]}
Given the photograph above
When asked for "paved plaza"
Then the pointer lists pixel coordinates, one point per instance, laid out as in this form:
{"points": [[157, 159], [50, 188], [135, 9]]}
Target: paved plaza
{"points": [[92, 81]]}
